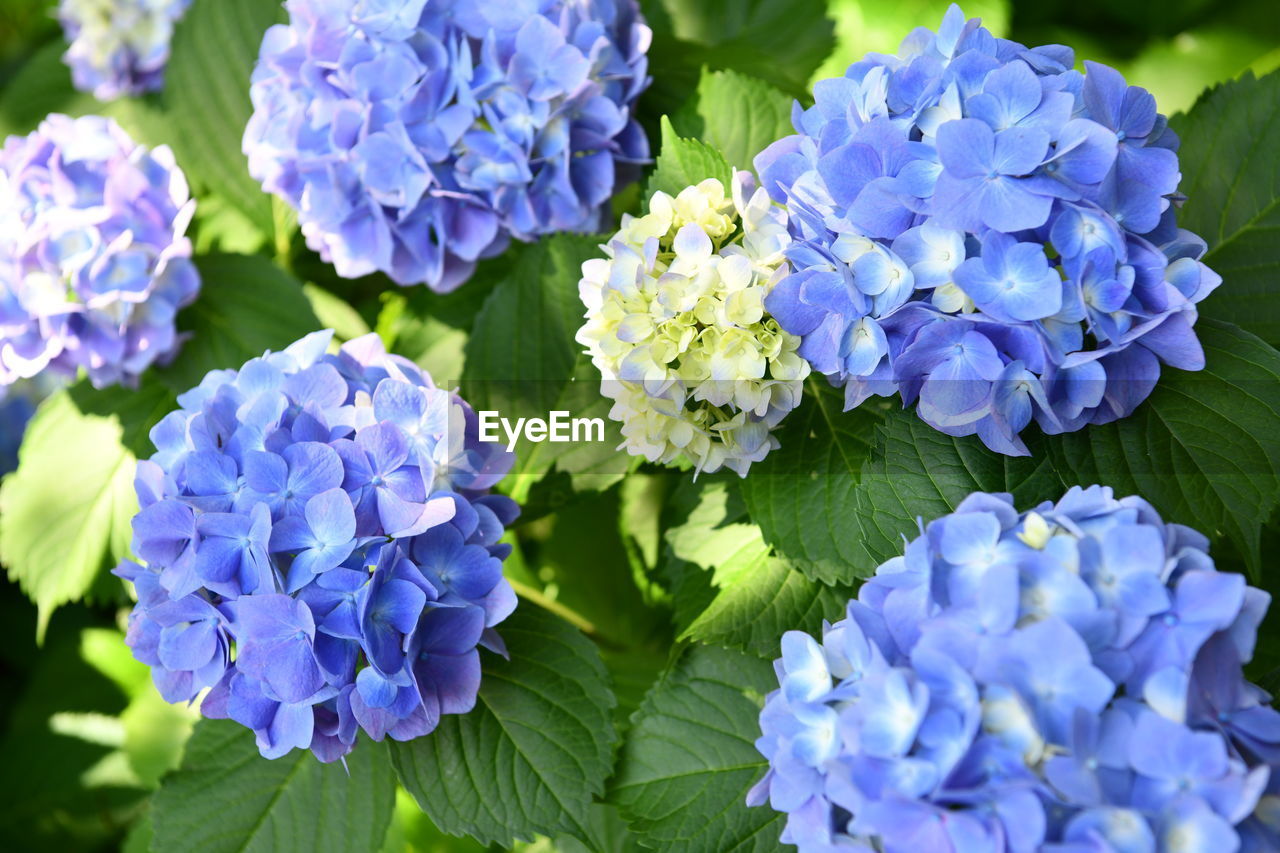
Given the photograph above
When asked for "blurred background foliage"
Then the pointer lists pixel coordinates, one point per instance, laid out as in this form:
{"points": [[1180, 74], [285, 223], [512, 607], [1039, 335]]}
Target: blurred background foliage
{"points": [[86, 738]]}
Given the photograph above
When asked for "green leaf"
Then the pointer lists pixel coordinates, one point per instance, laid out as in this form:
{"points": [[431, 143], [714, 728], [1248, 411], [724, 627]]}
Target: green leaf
{"points": [[580, 561], [917, 473], [738, 115], [535, 750], [43, 86], [63, 785], [1231, 177], [685, 162], [206, 97], [227, 797], [431, 329], [247, 305], [756, 596], [780, 41], [522, 361], [1204, 449], [802, 495], [64, 514], [333, 313], [685, 771], [137, 410], [411, 831], [610, 835], [863, 26]]}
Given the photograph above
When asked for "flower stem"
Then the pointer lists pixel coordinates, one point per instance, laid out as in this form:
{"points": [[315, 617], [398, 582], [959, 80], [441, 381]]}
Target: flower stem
{"points": [[537, 597]]}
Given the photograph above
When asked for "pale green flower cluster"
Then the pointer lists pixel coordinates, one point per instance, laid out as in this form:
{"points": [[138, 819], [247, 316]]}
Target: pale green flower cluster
{"points": [[677, 326]]}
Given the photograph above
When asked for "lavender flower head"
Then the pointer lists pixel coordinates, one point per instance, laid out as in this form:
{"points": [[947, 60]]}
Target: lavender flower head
{"points": [[328, 518], [94, 258], [119, 47], [989, 233], [1065, 680], [415, 138]]}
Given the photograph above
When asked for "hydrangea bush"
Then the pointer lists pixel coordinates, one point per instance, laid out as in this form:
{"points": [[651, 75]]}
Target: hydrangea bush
{"points": [[989, 233], [321, 549], [1063, 679], [415, 138], [94, 258], [119, 47], [697, 370]]}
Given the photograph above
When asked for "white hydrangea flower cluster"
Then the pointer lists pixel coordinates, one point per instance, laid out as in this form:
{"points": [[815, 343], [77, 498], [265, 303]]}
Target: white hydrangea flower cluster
{"points": [[697, 369]]}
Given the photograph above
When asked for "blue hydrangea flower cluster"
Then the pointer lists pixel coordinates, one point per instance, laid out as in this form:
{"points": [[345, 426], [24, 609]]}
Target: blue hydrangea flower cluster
{"points": [[989, 233], [119, 47], [1065, 680], [415, 138], [94, 258], [328, 517]]}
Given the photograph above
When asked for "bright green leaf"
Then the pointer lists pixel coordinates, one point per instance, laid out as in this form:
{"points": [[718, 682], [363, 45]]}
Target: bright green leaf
{"points": [[137, 410], [864, 26], [1231, 177], [685, 162], [247, 305], [535, 750], [609, 835], [333, 313], [227, 797], [64, 514], [155, 733], [756, 596], [685, 770], [738, 115]]}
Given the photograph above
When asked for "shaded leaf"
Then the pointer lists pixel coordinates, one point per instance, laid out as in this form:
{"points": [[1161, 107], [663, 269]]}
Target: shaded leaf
{"points": [[522, 362], [227, 797], [1231, 177], [247, 305], [685, 770], [206, 98], [802, 494], [535, 750]]}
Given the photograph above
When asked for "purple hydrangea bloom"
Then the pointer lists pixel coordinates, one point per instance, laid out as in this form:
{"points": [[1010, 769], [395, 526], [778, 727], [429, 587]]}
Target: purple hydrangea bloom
{"points": [[988, 233], [119, 47], [1064, 680], [416, 138], [94, 258], [320, 549]]}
